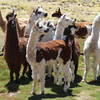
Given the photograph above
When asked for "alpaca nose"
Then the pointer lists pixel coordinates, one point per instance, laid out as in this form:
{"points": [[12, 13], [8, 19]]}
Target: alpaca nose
{"points": [[46, 30], [45, 14]]}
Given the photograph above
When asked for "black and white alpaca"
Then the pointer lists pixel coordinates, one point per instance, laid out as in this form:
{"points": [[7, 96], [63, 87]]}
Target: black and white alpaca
{"points": [[39, 53], [39, 12]]}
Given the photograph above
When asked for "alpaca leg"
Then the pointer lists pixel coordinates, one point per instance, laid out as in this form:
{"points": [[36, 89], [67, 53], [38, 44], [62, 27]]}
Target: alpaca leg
{"points": [[34, 77], [98, 70], [49, 71], [95, 64], [25, 64], [86, 61], [59, 75], [73, 70], [42, 76], [17, 76], [76, 65], [67, 76], [55, 70], [11, 75], [29, 72]]}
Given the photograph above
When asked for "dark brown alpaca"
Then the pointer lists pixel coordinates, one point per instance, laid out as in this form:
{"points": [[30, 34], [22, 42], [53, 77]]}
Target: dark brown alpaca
{"points": [[14, 51], [57, 13]]}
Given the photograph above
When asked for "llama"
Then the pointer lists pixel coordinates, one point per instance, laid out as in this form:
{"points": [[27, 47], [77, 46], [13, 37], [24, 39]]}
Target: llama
{"points": [[14, 51], [92, 49], [49, 33], [43, 52], [2, 22], [57, 13], [84, 27], [48, 36], [20, 24], [39, 12]]}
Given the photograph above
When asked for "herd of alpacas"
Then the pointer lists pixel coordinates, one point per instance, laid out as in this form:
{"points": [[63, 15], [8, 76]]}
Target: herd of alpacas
{"points": [[35, 43]]}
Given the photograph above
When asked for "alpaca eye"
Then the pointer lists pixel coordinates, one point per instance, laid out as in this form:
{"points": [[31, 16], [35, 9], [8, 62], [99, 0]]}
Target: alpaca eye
{"points": [[39, 12], [40, 27]]}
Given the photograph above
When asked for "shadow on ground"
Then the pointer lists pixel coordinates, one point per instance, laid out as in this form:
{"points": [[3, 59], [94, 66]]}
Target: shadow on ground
{"points": [[14, 86], [95, 82], [57, 89]]}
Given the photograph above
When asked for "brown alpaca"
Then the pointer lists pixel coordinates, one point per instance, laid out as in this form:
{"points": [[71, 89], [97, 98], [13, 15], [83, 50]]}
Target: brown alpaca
{"points": [[83, 31], [21, 24], [14, 50], [2, 22]]}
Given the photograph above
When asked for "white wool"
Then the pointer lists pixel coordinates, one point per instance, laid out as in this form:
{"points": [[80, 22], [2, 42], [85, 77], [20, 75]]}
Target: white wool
{"points": [[92, 48]]}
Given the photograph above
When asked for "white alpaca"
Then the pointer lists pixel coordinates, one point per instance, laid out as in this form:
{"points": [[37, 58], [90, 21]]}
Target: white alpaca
{"points": [[61, 27], [38, 69], [92, 49], [39, 12]]}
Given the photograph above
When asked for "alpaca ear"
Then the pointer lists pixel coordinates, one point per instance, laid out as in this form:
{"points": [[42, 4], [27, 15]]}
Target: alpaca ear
{"points": [[7, 17], [15, 15], [74, 20], [64, 15], [13, 11], [58, 9], [37, 24], [36, 11]]}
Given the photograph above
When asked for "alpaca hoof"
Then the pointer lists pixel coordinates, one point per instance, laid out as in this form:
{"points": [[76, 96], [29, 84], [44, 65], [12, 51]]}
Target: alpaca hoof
{"points": [[33, 93], [42, 93], [65, 91], [17, 81], [83, 81]]}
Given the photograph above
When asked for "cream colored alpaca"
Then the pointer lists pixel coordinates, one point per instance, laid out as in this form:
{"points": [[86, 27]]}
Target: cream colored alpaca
{"points": [[92, 49]]}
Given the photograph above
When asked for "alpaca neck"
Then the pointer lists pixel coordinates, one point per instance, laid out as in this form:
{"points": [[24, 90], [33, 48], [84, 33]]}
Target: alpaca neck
{"points": [[48, 36], [95, 33], [11, 37], [2, 23], [59, 31], [31, 24], [33, 38]]}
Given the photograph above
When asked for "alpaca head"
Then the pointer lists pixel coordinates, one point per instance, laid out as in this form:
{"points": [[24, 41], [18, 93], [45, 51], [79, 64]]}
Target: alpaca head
{"points": [[66, 21], [39, 12], [11, 19], [41, 27], [57, 13], [51, 26]]}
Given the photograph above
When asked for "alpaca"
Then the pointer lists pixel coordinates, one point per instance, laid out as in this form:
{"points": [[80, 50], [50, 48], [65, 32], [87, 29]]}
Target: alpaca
{"points": [[2, 22], [84, 27], [14, 50], [49, 34], [92, 49], [39, 12], [20, 25], [57, 13], [43, 52]]}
